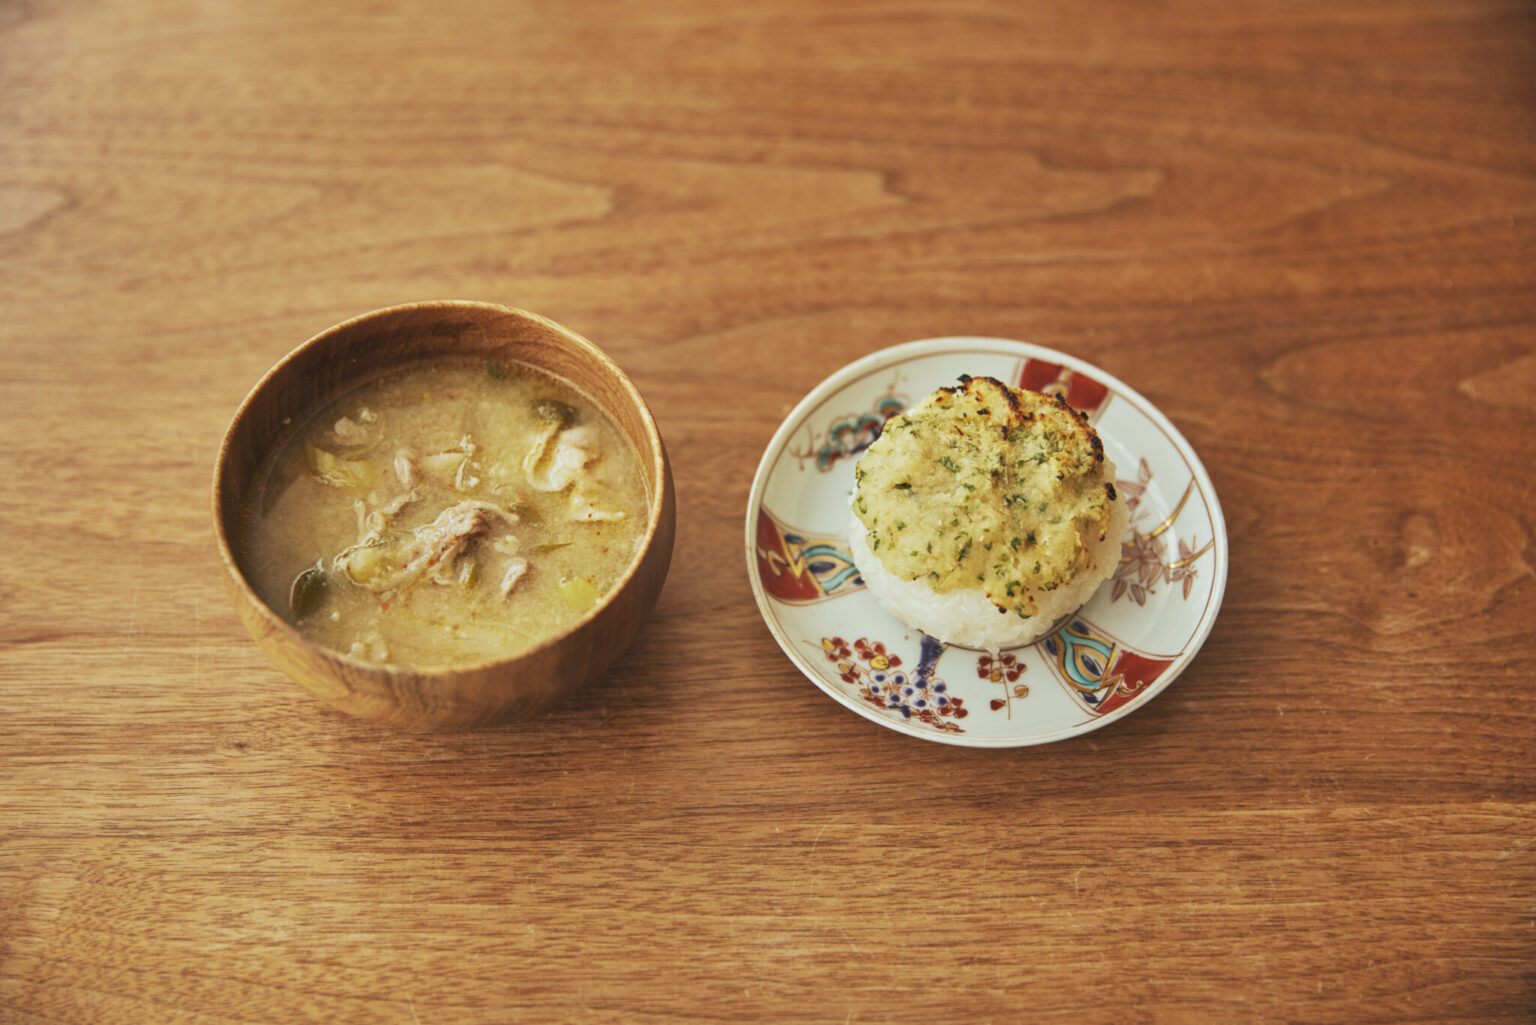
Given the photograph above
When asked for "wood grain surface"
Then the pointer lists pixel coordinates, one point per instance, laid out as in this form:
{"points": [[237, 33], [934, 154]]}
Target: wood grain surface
{"points": [[1305, 230]]}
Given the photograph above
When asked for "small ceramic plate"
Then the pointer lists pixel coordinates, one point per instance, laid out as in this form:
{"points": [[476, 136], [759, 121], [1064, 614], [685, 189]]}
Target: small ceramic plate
{"points": [[1115, 654]]}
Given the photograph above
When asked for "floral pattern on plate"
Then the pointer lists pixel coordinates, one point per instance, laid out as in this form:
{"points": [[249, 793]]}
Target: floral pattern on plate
{"points": [[1127, 644], [919, 696]]}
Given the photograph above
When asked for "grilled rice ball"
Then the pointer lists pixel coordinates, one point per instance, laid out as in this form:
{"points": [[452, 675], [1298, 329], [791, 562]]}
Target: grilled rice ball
{"points": [[986, 513]]}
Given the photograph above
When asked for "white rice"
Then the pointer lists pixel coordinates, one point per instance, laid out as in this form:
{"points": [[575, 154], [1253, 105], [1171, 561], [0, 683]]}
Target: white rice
{"points": [[967, 617]]}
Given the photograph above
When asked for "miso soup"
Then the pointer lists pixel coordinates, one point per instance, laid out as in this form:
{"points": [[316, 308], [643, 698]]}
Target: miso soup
{"points": [[446, 515]]}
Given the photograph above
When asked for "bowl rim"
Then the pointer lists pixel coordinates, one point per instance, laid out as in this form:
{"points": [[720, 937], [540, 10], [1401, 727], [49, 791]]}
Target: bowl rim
{"points": [[656, 456]]}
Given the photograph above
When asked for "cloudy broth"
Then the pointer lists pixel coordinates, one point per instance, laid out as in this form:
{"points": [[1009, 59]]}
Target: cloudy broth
{"points": [[446, 515]]}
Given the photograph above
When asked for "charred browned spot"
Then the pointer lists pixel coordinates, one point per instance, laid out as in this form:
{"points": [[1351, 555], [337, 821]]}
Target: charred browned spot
{"points": [[1015, 410], [992, 381], [1109, 489]]}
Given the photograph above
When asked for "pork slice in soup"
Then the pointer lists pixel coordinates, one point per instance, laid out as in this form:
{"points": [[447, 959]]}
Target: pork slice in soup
{"points": [[446, 515]]}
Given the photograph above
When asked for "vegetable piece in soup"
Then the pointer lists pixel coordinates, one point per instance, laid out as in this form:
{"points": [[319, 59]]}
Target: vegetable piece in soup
{"points": [[447, 515]]}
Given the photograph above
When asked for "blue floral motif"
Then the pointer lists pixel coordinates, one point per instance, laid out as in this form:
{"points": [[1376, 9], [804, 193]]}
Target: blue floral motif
{"points": [[920, 695]]}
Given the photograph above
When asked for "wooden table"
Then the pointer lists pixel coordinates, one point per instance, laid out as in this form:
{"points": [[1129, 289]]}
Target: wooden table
{"points": [[1306, 231]]}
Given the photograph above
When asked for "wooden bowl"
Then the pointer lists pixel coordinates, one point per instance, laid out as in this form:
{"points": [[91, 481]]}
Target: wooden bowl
{"points": [[360, 349]]}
